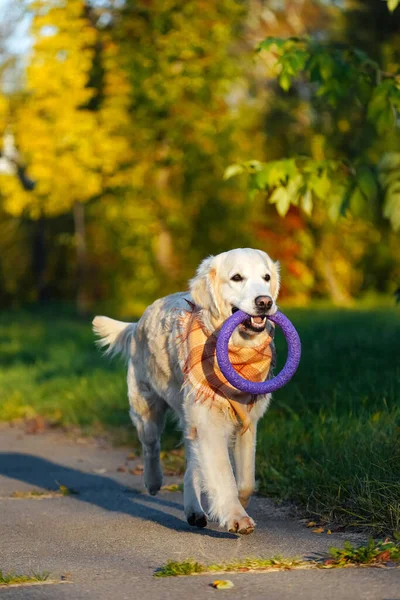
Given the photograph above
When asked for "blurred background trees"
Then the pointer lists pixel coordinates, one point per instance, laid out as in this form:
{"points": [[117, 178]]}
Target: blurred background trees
{"points": [[125, 115]]}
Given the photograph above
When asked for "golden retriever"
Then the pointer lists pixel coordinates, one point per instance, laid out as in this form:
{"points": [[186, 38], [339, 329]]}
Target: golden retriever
{"points": [[244, 279]]}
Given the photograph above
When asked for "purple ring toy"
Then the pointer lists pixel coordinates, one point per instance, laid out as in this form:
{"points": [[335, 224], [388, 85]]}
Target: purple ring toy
{"points": [[263, 387]]}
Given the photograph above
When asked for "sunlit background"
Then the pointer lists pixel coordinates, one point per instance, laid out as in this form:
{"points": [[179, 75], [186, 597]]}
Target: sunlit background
{"points": [[118, 121]]}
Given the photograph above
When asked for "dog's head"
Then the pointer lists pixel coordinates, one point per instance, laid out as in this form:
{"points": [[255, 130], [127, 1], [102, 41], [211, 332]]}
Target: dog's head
{"points": [[244, 279]]}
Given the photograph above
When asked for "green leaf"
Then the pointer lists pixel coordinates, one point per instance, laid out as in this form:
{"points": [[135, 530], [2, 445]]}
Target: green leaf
{"points": [[261, 179], [321, 185], [367, 183], [345, 205], [293, 189], [357, 203], [338, 197], [386, 178], [285, 81], [326, 66], [307, 202], [393, 4], [392, 205], [233, 170], [383, 105], [389, 161], [281, 198], [294, 61], [269, 42], [253, 166], [386, 120]]}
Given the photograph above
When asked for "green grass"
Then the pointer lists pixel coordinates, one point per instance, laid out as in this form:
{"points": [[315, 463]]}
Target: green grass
{"points": [[174, 568], [330, 442], [11, 578], [190, 566], [50, 366], [373, 553], [62, 491]]}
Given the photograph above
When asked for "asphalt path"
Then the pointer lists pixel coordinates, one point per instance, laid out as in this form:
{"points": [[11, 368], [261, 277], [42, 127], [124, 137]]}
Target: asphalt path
{"points": [[107, 540]]}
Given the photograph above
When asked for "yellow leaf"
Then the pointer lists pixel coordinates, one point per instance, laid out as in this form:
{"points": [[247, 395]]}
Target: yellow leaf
{"points": [[223, 584], [318, 530], [173, 487], [311, 524], [329, 532]]}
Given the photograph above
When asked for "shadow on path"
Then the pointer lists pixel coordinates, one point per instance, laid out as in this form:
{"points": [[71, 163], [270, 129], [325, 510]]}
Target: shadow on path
{"points": [[98, 490]]}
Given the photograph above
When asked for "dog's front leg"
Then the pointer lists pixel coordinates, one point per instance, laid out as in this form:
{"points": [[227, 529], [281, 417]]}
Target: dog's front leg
{"points": [[244, 453], [213, 434], [194, 512]]}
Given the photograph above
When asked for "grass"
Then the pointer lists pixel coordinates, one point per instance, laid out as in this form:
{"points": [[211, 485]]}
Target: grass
{"points": [[192, 567], [62, 491], [330, 442], [11, 578], [372, 554], [177, 568], [375, 552]]}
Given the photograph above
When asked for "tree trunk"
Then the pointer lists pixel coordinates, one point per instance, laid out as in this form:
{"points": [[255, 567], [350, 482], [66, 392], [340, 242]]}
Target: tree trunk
{"points": [[338, 294], [39, 259], [82, 300]]}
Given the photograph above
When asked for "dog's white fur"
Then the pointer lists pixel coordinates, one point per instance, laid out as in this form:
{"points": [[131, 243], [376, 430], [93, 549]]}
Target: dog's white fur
{"points": [[155, 383]]}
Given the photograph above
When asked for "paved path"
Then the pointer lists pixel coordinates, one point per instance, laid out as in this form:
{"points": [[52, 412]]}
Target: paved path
{"points": [[110, 537]]}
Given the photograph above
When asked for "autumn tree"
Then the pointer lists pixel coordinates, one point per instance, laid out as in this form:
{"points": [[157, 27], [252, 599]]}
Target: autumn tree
{"points": [[188, 96], [344, 162], [71, 150]]}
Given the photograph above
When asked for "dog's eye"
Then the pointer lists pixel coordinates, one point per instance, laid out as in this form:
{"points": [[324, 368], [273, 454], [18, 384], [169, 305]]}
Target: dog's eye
{"points": [[267, 277], [237, 277]]}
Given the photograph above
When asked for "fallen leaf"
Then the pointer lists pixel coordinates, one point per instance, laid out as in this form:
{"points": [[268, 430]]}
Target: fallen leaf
{"points": [[173, 487], [81, 440], [318, 530], [131, 456], [223, 584], [66, 491], [36, 425], [121, 469], [329, 561], [137, 470], [311, 524], [383, 556], [329, 532]]}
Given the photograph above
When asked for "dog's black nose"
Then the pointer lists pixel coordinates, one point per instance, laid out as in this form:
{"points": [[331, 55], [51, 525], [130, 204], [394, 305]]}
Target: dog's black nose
{"points": [[264, 302]]}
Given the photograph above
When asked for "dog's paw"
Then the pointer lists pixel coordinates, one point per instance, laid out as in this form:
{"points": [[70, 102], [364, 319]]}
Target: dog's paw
{"points": [[242, 525], [153, 479], [153, 490], [153, 484], [197, 520]]}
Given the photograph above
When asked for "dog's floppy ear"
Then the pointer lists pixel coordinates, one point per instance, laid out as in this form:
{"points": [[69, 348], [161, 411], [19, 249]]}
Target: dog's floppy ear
{"points": [[275, 279], [203, 287]]}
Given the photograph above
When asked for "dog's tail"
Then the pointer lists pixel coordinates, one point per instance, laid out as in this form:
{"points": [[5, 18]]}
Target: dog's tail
{"points": [[117, 335]]}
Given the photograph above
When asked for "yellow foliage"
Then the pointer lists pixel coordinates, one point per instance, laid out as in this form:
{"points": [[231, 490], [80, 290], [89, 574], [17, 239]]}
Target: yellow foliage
{"points": [[72, 152]]}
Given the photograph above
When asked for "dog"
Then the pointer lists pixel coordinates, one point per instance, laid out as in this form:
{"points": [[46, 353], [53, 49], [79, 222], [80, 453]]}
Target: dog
{"points": [[219, 422]]}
